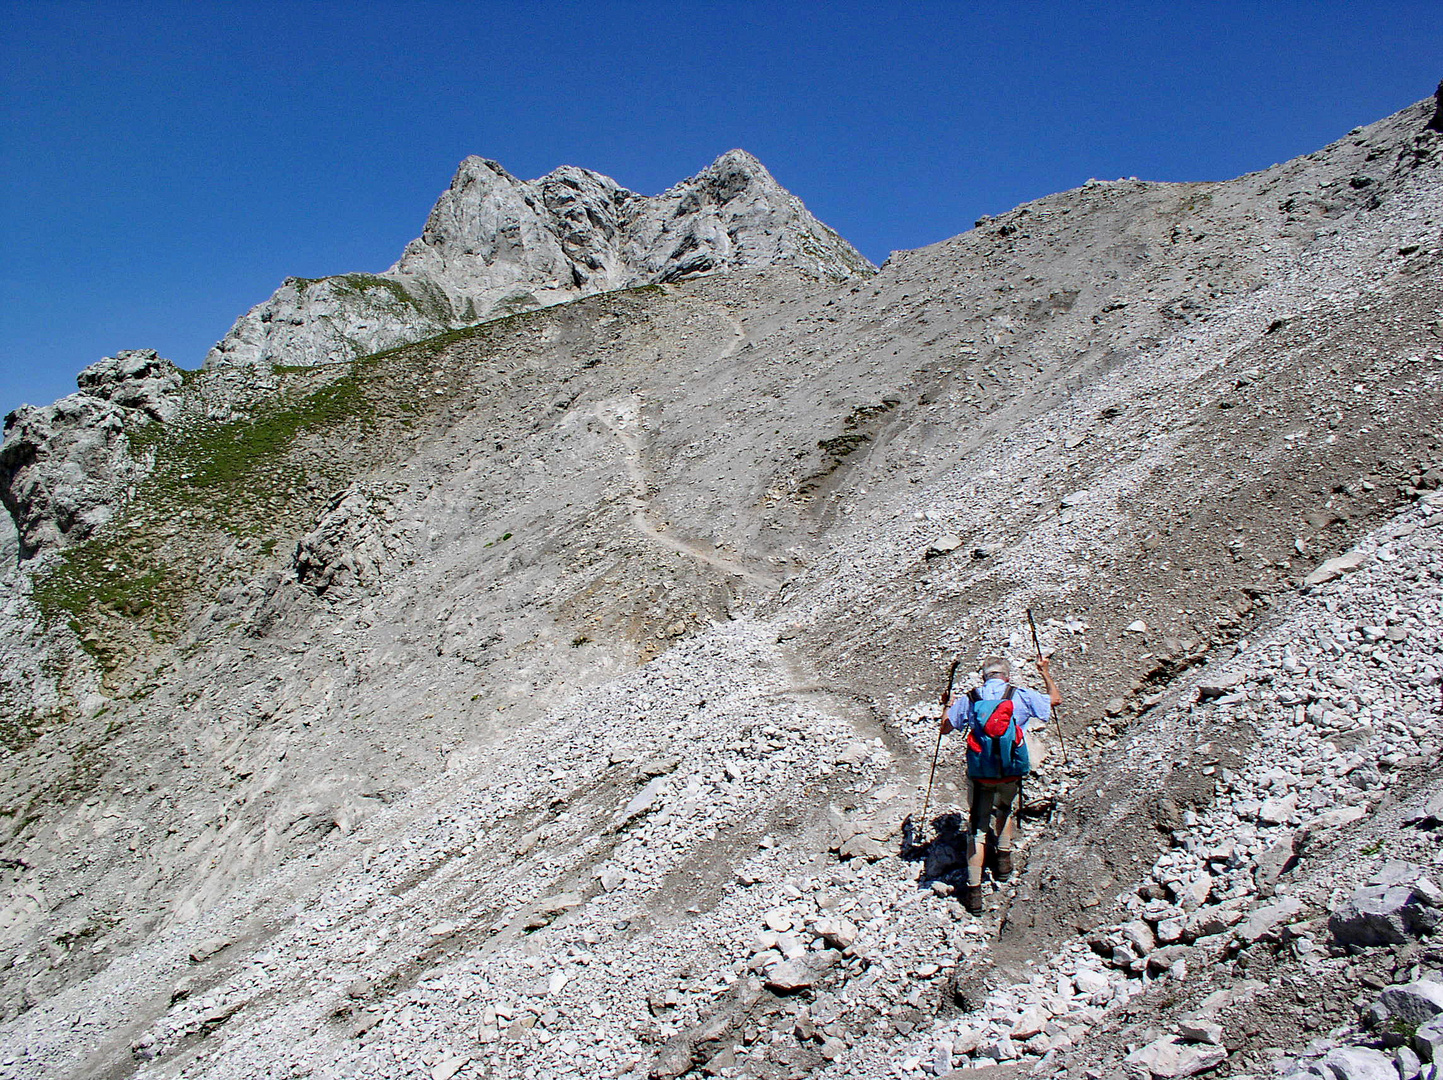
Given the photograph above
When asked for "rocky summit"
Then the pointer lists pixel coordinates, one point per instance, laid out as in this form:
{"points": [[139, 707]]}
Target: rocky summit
{"points": [[522, 662], [496, 245]]}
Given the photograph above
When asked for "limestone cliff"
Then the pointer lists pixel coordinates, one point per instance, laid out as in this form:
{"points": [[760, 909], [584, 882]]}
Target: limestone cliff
{"points": [[494, 245]]}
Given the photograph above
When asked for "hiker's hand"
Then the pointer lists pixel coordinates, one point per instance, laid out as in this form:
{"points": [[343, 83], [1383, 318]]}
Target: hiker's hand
{"points": [[1044, 663], [946, 698]]}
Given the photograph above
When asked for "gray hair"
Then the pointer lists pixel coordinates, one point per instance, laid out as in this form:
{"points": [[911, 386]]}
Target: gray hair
{"points": [[996, 665]]}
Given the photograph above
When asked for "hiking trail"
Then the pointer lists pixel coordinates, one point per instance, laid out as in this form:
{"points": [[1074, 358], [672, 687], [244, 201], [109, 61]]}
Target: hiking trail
{"points": [[623, 418]]}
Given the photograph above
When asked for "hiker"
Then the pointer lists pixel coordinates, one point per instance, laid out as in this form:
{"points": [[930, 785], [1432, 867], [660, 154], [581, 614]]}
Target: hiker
{"points": [[997, 759]]}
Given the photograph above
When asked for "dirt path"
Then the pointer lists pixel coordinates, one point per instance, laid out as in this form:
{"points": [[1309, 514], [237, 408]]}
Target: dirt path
{"points": [[623, 419]]}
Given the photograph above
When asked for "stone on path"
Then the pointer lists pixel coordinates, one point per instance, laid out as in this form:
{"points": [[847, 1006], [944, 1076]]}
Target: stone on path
{"points": [[1029, 1023], [1278, 811], [1415, 1003], [1356, 1063], [206, 949], [836, 933], [1215, 686], [1265, 920], [943, 545], [791, 976], [448, 1068], [1092, 984], [642, 800], [1339, 815], [1201, 1031], [778, 920], [1167, 1058], [1333, 569]]}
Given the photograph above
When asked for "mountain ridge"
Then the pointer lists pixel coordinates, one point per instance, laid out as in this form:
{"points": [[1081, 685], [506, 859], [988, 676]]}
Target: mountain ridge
{"points": [[494, 244]]}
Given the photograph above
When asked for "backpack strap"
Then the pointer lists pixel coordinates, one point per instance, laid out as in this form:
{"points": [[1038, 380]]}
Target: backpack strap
{"points": [[1008, 695]]}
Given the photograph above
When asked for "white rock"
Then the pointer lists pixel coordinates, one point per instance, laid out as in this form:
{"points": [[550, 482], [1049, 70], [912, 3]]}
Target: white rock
{"points": [[1333, 569], [1029, 1023], [449, 1067], [1357, 1063], [778, 920], [790, 976], [1168, 1058], [1278, 811], [1338, 816], [1093, 985], [1203, 1031]]}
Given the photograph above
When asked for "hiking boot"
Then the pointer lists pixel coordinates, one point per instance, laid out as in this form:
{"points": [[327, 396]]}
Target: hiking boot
{"points": [[1004, 866], [972, 899]]}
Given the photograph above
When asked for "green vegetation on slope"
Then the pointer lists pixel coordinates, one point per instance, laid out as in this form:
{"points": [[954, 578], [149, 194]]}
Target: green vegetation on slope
{"points": [[249, 485]]}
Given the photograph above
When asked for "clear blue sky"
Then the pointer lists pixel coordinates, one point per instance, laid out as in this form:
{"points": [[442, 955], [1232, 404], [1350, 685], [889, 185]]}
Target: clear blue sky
{"points": [[164, 165]]}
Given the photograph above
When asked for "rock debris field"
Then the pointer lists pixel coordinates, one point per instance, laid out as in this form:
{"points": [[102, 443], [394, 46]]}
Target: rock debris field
{"points": [[545, 696]]}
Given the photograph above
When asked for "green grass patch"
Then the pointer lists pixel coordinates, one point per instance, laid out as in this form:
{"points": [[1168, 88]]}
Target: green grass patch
{"points": [[260, 479], [96, 579], [222, 455], [229, 475]]}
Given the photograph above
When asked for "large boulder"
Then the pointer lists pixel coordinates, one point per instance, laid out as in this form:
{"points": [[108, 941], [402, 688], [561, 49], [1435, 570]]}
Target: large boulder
{"points": [[1428, 1040], [1167, 1058], [1413, 1004], [1354, 1063], [1400, 902]]}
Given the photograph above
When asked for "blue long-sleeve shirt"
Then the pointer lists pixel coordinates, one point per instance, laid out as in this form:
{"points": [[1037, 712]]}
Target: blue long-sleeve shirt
{"points": [[1027, 704]]}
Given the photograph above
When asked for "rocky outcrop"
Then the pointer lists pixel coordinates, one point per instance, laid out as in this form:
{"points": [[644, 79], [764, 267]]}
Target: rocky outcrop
{"points": [[134, 379], [63, 466], [357, 543], [323, 320], [494, 245], [9, 543]]}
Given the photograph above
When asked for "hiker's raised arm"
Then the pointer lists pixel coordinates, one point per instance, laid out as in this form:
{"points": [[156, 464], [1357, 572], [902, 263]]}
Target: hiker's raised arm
{"points": [[1044, 665], [947, 711]]}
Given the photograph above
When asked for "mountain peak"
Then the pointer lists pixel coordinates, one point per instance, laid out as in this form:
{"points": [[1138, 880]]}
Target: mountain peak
{"points": [[494, 244]]}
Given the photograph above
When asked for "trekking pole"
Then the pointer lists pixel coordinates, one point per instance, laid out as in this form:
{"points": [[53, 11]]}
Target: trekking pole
{"points": [[951, 678], [1038, 646]]}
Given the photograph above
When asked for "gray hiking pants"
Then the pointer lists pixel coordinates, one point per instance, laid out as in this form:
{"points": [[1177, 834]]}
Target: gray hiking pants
{"points": [[992, 806]]}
